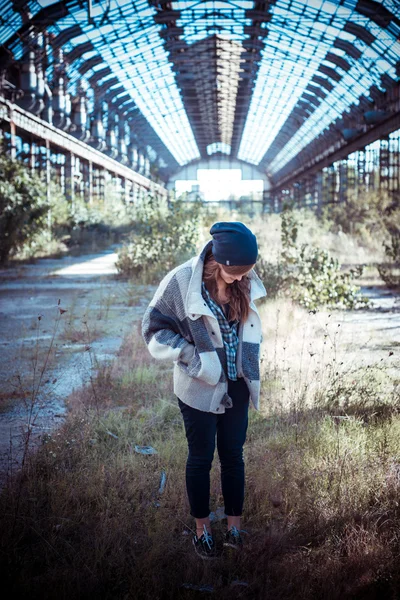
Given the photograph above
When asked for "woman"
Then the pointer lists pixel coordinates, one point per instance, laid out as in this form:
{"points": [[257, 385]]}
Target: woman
{"points": [[203, 317]]}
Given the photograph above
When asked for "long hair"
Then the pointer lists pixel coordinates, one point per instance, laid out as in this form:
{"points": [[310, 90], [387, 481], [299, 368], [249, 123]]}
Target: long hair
{"points": [[238, 292]]}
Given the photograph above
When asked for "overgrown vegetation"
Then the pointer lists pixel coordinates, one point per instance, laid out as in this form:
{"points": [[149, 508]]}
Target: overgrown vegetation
{"points": [[163, 236], [390, 271], [23, 207], [362, 215], [36, 221], [322, 482], [373, 215], [308, 274], [89, 516], [78, 226]]}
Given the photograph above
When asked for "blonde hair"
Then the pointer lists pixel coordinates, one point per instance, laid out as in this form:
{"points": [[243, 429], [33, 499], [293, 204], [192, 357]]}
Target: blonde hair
{"points": [[238, 292]]}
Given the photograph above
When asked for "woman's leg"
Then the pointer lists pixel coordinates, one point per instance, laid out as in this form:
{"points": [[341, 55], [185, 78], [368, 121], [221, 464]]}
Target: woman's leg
{"points": [[200, 430], [231, 436]]}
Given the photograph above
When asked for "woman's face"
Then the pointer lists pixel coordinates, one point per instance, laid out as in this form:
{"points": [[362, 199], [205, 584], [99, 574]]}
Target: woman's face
{"points": [[230, 278]]}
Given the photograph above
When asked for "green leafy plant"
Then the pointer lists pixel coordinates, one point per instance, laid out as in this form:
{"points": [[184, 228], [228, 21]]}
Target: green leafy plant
{"points": [[315, 278], [372, 216], [23, 206], [309, 275], [272, 275], [390, 271], [362, 215], [319, 281], [163, 237]]}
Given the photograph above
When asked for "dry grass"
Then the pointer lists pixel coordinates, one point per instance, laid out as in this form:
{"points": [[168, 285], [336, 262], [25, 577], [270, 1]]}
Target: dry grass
{"points": [[346, 248], [322, 486], [85, 517]]}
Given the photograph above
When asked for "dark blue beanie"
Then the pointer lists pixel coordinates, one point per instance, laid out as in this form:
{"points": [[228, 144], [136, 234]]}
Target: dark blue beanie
{"points": [[233, 244]]}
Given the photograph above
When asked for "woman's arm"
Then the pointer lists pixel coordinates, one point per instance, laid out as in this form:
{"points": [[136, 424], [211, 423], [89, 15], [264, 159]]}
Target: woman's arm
{"points": [[167, 334], [162, 336], [162, 330]]}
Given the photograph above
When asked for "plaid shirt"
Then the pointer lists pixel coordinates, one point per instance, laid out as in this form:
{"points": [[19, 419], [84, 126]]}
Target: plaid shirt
{"points": [[229, 333]]}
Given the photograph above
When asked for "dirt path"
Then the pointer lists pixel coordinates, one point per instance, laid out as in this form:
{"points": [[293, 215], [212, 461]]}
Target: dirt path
{"points": [[45, 354]]}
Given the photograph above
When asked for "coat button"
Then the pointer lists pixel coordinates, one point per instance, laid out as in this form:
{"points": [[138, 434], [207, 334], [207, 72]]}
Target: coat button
{"points": [[217, 408], [193, 315], [213, 333], [252, 324]]}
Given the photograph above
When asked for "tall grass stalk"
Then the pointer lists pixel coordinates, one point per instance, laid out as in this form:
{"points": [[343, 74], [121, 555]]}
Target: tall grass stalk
{"points": [[31, 405]]}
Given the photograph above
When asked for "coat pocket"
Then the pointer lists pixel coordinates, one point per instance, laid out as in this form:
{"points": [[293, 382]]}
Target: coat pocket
{"points": [[205, 366]]}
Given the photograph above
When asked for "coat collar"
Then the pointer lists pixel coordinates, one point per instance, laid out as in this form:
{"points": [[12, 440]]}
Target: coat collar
{"points": [[195, 305]]}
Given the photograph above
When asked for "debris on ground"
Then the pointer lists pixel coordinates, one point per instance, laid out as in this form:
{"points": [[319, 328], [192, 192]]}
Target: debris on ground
{"points": [[145, 450]]}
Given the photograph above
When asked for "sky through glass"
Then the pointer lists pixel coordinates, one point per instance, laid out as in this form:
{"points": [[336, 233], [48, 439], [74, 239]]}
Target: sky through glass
{"points": [[304, 66]]}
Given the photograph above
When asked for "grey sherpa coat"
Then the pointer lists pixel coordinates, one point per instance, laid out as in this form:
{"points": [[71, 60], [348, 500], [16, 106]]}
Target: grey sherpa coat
{"points": [[179, 325]]}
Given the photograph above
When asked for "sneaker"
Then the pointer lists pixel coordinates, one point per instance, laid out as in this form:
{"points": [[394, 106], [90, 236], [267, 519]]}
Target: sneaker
{"points": [[233, 538], [204, 545]]}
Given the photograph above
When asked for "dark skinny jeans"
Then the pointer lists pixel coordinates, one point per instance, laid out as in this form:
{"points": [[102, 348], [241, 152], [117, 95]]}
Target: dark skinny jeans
{"points": [[230, 428]]}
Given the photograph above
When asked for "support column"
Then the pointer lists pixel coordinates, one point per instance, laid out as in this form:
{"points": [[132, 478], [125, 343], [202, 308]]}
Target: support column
{"points": [[296, 193], [308, 190], [133, 193], [32, 157], [126, 184], [69, 178], [343, 181], [318, 190], [265, 199], [351, 177], [62, 174], [384, 164], [360, 173], [13, 134], [278, 201], [302, 193], [394, 162], [48, 181], [102, 187], [90, 182]]}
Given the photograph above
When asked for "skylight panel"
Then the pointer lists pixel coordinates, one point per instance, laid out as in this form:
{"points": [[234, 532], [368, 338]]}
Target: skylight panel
{"points": [[45, 3], [199, 21], [328, 7], [8, 27], [218, 147], [300, 34], [339, 99], [269, 110], [153, 89]]}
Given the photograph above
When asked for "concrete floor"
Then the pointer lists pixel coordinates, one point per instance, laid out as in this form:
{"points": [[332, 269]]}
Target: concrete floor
{"points": [[100, 311]]}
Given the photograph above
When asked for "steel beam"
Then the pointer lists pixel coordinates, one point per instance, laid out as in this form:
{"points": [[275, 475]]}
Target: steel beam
{"points": [[17, 118], [339, 151]]}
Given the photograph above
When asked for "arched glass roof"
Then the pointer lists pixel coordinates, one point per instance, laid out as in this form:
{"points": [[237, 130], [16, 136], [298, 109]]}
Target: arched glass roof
{"points": [[257, 80]]}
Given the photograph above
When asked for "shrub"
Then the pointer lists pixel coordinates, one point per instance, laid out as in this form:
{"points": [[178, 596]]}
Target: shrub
{"points": [[371, 216], [309, 274], [162, 238], [80, 223], [23, 206], [68, 224], [319, 281], [390, 271], [272, 275], [361, 215]]}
